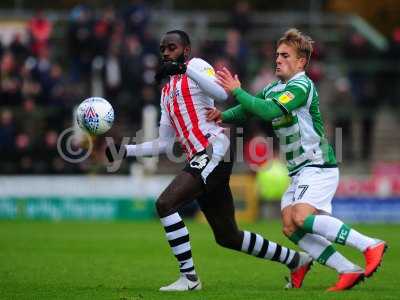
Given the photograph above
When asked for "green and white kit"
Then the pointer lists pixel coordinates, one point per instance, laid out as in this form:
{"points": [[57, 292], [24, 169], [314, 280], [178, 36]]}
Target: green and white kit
{"points": [[293, 109]]}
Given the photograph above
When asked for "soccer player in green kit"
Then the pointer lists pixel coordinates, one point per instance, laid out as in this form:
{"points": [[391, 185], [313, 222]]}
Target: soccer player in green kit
{"points": [[292, 105]]}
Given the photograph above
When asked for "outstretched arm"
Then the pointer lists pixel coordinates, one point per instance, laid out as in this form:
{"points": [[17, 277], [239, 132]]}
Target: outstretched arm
{"points": [[166, 139], [235, 115], [268, 109], [160, 145], [238, 113]]}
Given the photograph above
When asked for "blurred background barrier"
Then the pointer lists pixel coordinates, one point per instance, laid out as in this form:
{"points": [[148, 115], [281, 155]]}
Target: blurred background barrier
{"points": [[125, 197], [101, 198]]}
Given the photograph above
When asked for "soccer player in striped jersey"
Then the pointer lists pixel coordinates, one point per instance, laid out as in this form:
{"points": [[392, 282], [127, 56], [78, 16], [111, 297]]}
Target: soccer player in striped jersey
{"points": [[292, 105], [189, 89]]}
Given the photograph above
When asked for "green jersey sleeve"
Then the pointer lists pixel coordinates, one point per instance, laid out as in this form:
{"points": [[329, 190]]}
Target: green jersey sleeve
{"points": [[292, 97], [266, 109], [238, 114]]}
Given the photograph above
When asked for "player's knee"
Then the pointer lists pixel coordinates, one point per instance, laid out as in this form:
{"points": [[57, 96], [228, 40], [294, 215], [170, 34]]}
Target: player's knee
{"points": [[288, 230], [298, 218], [162, 206]]}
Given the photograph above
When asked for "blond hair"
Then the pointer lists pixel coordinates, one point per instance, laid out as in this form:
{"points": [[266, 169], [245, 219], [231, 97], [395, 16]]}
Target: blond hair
{"points": [[300, 42]]}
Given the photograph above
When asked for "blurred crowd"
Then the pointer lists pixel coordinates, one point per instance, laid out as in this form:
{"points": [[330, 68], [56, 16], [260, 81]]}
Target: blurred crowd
{"points": [[114, 50]]}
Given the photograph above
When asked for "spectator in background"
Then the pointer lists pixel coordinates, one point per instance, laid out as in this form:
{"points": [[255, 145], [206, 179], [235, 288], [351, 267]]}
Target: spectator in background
{"points": [[7, 139], [10, 80], [132, 77], [236, 51], [1, 48], [18, 48], [150, 44], [23, 152], [266, 54], [364, 90], [265, 74], [390, 79], [40, 29], [261, 64], [150, 64], [103, 30], [112, 72], [241, 17], [342, 104], [30, 88], [149, 95], [7, 129], [30, 120], [48, 150], [56, 86], [136, 18], [316, 69], [41, 73], [220, 62], [80, 45]]}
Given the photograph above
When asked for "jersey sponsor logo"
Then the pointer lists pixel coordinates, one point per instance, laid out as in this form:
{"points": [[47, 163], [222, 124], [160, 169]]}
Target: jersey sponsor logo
{"points": [[286, 97], [209, 72], [199, 162]]}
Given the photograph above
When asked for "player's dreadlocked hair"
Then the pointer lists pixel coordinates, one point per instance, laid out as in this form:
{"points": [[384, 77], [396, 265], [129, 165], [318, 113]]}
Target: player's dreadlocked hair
{"points": [[183, 35], [302, 43]]}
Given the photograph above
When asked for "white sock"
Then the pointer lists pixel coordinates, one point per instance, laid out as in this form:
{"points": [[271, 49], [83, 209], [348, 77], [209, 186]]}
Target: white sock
{"points": [[258, 246], [336, 231], [322, 251], [178, 239], [340, 263]]}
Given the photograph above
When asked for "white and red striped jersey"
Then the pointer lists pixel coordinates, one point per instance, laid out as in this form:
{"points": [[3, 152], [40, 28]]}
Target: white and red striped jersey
{"points": [[183, 107]]}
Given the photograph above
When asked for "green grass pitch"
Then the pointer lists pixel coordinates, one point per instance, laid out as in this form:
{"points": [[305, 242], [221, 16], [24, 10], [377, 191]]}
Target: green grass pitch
{"points": [[131, 260]]}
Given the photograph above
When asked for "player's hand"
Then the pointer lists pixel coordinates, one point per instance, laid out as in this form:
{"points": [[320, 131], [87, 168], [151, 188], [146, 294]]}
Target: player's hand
{"points": [[227, 81], [213, 114], [114, 152]]}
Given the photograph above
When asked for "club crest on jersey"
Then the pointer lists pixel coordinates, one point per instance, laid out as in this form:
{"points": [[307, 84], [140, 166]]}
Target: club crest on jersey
{"points": [[285, 97]]}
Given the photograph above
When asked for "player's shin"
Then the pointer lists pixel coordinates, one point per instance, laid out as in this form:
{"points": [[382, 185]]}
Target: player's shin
{"points": [[258, 246], [322, 251], [336, 231], [178, 239]]}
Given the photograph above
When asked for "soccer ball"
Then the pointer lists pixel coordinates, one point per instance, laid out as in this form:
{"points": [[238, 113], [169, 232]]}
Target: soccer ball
{"points": [[95, 115]]}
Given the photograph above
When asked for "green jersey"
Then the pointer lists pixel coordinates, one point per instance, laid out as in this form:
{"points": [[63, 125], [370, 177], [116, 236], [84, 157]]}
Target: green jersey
{"points": [[293, 108]]}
